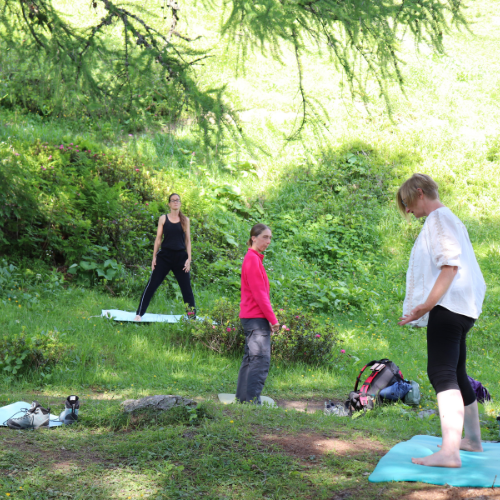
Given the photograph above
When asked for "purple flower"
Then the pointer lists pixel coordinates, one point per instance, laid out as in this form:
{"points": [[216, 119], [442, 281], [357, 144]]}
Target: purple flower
{"points": [[228, 329], [284, 327], [130, 135], [190, 312], [342, 351], [71, 144], [50, 157], [297, 317], [137, 170], [318, 336], [17, 154], [281, 309]]}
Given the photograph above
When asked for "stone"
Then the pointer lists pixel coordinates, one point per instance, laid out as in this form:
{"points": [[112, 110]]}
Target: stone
{"points": [[160, 403], [426, 413]]}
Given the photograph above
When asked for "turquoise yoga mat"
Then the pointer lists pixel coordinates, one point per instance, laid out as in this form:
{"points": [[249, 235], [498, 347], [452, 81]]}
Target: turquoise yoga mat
{"points": [[147, 318], [478, 469]]}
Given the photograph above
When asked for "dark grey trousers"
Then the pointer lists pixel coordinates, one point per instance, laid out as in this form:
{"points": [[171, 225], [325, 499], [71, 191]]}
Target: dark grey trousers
{"points": [[256, 360]]}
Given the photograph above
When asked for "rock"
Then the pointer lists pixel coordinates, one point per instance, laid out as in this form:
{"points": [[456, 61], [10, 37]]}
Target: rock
{"points": [[160, 403], [426, 413]]}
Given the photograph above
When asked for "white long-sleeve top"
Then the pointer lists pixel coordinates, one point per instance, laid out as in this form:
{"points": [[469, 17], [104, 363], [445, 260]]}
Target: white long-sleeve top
{"points": [[444, 241]]}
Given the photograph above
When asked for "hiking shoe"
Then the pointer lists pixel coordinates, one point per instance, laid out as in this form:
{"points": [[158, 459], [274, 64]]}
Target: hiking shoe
{"points": [[70, 413], [34, 417]]}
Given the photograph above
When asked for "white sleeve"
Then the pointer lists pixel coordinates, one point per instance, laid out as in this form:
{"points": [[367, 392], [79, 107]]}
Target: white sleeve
{"points": [[444, 238]]}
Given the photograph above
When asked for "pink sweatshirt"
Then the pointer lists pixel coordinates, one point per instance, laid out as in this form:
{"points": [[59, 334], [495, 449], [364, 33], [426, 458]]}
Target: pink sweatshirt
{"points": [[255, 302]]}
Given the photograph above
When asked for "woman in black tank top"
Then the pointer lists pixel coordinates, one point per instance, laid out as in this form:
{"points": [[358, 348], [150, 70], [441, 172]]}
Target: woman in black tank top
{"points": [[174, 255]]}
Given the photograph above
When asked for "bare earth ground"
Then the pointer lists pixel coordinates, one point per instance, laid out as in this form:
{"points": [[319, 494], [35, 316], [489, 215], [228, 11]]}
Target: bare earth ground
{"points": [[311, 449]]}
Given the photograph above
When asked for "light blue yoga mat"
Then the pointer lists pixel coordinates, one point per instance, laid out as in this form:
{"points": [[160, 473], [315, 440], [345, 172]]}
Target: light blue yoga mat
{"points": [[478, 469], [147, 318]]}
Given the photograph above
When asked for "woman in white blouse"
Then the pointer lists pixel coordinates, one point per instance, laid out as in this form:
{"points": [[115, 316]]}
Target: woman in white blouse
{"points": [[445, 292]]}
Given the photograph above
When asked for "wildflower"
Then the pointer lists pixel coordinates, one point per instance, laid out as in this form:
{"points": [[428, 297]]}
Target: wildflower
{"points": [[318, 335], [17, 154], [297, 317], [190, 313], [284, 327], [228, 329], [213, 327], [130, 135], [342, 351], [71, 144], [281, 309], [50, 157], [231, 421], [137, 170], [234, 329]]}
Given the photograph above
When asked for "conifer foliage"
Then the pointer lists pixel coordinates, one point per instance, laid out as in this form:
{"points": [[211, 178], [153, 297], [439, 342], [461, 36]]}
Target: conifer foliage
{"points": [[134, 58], [150, 69], [362, 37]]}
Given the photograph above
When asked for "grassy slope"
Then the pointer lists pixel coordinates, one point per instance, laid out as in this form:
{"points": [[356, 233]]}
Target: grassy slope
{"points": [[447, 127]]}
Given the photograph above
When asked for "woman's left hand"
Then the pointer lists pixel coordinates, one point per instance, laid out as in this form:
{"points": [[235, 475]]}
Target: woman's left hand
{"points": [[187, 266], [414, 314]]}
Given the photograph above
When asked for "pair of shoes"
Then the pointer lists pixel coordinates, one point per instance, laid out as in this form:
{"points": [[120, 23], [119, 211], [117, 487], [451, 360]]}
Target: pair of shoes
{"points": [[34, 417], [70, 413]]}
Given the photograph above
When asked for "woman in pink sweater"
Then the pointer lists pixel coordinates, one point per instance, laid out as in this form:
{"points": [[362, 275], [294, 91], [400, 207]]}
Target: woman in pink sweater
{"points": [[257, 317]]}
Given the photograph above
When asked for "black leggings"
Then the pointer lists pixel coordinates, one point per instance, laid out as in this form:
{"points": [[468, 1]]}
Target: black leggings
{"points": [[446, 352], [166, 261]]}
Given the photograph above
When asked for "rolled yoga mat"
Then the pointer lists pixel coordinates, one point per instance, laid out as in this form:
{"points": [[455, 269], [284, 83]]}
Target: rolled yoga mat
{"points": [[227, 399], [478, 469]]}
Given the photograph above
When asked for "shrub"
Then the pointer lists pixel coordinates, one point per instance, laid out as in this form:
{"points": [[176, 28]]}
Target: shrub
{"points": [[301, 337], [22, 352], [220, 330]]}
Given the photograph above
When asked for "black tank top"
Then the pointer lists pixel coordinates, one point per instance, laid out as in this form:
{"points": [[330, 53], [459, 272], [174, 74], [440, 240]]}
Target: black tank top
{"points": [[173, 236]]}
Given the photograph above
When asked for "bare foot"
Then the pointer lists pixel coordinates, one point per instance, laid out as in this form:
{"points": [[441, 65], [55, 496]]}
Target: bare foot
{"points": [[137, 318], [440, 459], [468, 445]]}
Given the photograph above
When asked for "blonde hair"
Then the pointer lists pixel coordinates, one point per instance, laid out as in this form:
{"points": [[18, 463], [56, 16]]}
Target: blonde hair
{"points": [[408, 190], [255, 231]]}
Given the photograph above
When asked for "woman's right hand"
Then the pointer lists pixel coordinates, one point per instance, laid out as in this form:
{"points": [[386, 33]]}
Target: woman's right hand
{"points": [[153, 264]]}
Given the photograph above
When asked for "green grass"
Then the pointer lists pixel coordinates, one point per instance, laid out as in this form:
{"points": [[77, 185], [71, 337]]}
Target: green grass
{"points": [[446, 126]]}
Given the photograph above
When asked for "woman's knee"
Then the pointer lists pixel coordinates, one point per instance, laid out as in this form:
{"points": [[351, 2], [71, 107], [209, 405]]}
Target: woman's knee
{"points": [[443, 379]]}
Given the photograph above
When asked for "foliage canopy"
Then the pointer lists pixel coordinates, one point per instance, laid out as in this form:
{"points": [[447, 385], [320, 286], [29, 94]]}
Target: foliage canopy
{"points": [[133, 58]]}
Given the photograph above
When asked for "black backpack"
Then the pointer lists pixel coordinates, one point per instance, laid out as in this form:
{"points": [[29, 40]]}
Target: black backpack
{"points": [[383, 374]]}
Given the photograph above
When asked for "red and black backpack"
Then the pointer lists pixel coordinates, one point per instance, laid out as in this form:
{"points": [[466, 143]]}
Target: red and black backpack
{"points": [[384, 373]]}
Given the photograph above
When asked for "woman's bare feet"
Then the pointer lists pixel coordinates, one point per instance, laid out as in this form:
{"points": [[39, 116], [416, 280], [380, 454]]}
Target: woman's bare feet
{"points": [[468, 445], [137, 318], [440, 459]]}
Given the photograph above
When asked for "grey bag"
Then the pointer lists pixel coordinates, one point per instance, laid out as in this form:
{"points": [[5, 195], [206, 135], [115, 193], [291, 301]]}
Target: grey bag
{"points": [[413, 395]]}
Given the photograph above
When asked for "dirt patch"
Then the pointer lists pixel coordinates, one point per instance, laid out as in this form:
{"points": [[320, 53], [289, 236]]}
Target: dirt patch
{"points": [[305, 445], [399, 491], [56, 458], [439, 493], [307, 405]]}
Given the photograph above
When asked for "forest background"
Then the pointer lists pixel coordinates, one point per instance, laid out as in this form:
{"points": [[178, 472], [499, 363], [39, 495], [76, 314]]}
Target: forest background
{"points": [[244, 136]]}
